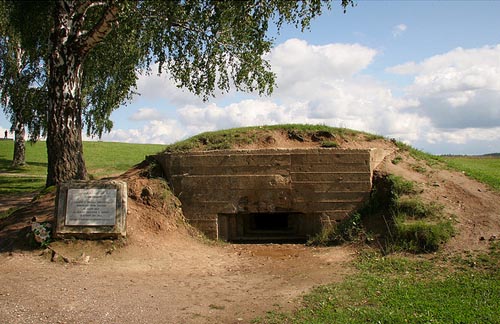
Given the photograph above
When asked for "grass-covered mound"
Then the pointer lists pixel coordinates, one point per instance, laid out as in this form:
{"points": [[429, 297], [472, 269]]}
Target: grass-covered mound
{"points": [[395, 219], [271, 136]]}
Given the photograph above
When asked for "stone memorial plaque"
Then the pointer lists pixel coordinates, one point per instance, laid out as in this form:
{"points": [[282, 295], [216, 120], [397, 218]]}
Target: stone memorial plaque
{"points": [[91, 207], [94, 209]]}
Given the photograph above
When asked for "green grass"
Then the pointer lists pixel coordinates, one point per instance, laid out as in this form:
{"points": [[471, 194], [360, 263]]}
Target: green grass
{"points": [[102, 159], [484, 169], [395, 219], [229, 138], [419, 155], [400, 289]]}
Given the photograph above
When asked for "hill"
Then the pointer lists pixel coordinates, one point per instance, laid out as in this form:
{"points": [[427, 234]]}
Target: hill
{"points": [[175, 274]]}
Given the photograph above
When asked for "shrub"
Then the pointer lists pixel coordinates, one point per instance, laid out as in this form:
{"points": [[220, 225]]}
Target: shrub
{"points": [[347, 230], [329, 144], [422, 236]]}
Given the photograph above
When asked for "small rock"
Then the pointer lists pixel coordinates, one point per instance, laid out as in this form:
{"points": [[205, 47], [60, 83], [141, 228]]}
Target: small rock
{"points": [[482, 238], [492, 238], [147, 192]]}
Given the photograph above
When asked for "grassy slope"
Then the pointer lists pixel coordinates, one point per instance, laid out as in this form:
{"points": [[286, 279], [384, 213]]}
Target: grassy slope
{"points": [[226, 139], [484, 169], [102, 159]]}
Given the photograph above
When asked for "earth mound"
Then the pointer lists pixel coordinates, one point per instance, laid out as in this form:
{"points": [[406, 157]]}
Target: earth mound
{"points": [[174, 274], [154, 211]]}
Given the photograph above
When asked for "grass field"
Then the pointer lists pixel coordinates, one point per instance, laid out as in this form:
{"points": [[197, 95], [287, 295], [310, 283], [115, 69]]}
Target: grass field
{"points": [[102, 159], [484, 169], [398, 289]]}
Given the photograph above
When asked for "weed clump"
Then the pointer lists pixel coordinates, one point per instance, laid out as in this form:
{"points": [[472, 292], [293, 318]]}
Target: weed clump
{"points": [[411, 224], [395, 218]]}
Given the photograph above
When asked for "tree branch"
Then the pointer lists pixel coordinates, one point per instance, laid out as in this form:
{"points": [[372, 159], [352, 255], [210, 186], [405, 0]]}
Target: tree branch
{"points": [[103, 27], [84, 7]]}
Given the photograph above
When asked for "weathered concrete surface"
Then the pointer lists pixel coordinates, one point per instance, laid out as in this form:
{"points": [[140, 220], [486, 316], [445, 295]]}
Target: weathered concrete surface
{"points": [[226, 193], [91, 228]]}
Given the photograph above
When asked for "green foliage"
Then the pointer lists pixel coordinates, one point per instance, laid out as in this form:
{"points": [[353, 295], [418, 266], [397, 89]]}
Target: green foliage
{"points": [[418, 154], [414, 208], [414, 226], [399, 289], [396, 160], [400, 186], [329, 144], [396, 218], [41, 233], [485, 169], [421, 235], [347, 230], [419, 168]]}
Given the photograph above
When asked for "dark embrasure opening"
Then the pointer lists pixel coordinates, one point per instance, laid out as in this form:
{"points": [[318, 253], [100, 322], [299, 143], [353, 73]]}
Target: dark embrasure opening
{"points": [[263, 227]]}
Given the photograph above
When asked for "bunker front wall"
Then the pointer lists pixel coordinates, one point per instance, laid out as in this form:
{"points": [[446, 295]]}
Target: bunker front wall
{"points": [[318, 186]]}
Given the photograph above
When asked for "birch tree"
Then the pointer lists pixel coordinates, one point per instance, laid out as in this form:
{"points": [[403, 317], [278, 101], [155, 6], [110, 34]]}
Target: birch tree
{"points": [[203, 45]]}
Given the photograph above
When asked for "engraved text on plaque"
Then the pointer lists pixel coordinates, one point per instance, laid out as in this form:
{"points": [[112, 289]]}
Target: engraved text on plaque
{"points": [[91, 207]]}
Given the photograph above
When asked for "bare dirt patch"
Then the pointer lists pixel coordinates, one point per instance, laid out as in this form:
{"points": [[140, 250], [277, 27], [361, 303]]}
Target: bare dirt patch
{"points": [[164, 272]]}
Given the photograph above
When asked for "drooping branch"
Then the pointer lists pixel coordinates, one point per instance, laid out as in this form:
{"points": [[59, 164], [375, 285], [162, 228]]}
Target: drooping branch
{"points": [[101, 29]]}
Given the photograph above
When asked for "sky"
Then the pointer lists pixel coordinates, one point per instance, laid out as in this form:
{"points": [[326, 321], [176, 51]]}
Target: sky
{"points": [[423, 72]]}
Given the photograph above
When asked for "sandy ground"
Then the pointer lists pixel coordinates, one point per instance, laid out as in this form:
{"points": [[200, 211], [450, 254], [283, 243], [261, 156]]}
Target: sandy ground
{"points": [[174, 280]]}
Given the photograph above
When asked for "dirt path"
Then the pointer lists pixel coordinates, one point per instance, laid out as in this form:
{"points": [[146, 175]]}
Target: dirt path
{"points": [[173, 280]]}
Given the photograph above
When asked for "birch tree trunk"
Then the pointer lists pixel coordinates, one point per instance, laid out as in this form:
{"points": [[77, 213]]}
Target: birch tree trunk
{"points": [[69, 46], [64, 124], [19, 158]]}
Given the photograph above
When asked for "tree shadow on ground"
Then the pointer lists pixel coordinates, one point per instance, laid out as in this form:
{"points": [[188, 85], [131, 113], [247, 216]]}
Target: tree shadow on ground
{"points": [[15, 229], [6, 166]]}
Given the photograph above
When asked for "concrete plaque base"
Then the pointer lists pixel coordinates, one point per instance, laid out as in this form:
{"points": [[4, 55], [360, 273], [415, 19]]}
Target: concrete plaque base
{"points": [[91, 209]]}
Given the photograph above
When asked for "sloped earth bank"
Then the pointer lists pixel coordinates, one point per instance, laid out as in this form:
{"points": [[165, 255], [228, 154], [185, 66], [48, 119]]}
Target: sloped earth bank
{"points": [[165, 273]]}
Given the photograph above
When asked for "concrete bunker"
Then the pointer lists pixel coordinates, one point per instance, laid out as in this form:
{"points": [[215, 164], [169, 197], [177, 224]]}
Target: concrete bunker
{"points": [[269, 194]]}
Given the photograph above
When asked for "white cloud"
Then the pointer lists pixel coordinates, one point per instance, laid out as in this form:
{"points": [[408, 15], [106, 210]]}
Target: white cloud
{"points": [[459, 89], [399, 30], [454, 98], [300, 66], [147, 114], [155, 132], [154, 87]]}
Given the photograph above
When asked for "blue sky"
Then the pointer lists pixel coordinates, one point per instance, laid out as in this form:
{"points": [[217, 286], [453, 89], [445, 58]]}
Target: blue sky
{"points": [[425, 72]]}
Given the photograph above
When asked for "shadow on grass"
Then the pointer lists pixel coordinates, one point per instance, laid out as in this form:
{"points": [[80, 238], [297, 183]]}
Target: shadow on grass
{"points": [[20, 185], [6, 166]]}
